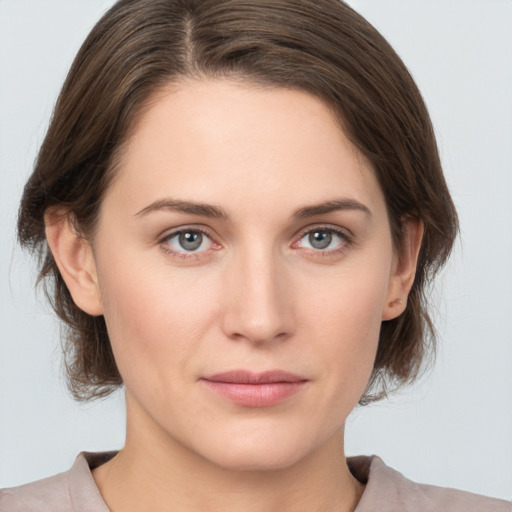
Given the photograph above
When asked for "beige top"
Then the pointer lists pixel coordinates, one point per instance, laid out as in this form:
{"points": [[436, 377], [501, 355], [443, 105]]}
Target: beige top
{"points": [[386, 491]]}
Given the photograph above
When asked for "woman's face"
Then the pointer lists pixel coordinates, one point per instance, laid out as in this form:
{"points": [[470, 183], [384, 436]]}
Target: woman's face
{"points": [[245, 263]]}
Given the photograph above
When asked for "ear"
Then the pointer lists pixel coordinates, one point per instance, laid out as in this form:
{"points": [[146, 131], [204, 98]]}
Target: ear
{"points": [[404, 269], [74, 257]]}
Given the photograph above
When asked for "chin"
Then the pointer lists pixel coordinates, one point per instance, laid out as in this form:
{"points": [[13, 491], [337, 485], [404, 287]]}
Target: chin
{"points": [[260, 459], [263, 450]]}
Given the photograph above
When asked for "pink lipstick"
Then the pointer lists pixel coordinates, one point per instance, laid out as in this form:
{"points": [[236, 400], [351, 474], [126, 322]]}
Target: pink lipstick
{"points": [[255, 389]]}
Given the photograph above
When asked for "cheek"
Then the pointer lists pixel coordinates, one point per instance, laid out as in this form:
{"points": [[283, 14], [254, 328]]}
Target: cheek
{"points": [[345, 321], [348, 302], [155, 320]]}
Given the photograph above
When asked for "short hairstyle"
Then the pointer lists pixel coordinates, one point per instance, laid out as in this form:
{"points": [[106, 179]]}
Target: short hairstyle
{"points": [[322, 47]]}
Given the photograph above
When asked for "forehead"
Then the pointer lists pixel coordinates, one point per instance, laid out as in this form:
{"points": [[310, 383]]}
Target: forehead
{"points": [[223, 141]]}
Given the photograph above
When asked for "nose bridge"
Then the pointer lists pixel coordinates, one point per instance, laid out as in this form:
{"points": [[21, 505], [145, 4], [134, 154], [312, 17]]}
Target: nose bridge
{"points": [[260, 304]]}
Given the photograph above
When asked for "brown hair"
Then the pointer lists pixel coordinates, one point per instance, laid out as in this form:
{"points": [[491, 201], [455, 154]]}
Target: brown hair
{"points": [[319, 46]]}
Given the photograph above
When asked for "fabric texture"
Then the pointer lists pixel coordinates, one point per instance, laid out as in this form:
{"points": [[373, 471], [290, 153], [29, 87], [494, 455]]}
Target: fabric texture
{"points": [[386, 491]]}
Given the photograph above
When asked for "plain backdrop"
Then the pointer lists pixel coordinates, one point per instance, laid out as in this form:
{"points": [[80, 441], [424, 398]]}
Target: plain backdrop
{"points": [[453, 428]]}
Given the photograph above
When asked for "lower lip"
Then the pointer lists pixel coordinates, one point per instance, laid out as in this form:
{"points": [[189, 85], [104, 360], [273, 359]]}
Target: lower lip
{"points": [[255, 395]]}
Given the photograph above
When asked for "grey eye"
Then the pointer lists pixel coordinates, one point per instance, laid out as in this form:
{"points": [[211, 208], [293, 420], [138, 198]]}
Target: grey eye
{"points": [[190, 240], [323, 239], [320, 239]]}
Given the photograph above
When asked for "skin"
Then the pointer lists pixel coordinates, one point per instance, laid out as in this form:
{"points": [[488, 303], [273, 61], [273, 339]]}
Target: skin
{"points": [[256, 295]]}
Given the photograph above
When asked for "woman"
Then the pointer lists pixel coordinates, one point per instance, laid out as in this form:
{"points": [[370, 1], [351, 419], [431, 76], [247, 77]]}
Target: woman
{"points": [[243, 203]]}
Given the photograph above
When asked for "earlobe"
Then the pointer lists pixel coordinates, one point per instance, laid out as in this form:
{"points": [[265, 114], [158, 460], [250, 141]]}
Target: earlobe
{"points": [[74, 257], [404, 270]]}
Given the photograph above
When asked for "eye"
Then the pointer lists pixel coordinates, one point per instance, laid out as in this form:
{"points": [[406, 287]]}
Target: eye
{"points": [[323, 239], [188, 241]]}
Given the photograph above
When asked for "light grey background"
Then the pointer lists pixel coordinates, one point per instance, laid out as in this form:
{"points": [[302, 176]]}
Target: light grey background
{"points": [[454, 428]]}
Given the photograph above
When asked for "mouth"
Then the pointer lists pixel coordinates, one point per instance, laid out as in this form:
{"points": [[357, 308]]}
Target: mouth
{"points": [[250, 389]]}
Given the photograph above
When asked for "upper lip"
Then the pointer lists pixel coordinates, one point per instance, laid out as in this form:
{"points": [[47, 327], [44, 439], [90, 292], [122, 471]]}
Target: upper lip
{"points": [[248, 377]]}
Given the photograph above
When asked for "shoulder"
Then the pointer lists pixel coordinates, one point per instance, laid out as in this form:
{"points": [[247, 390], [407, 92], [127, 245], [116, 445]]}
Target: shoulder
{"points": [[51, 492], [71, 491], [388, 490]]}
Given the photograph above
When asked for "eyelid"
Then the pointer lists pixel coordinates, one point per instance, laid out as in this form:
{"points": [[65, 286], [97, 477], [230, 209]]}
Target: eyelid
{"points": [[184, 255], [344, 233], [169, 233]]}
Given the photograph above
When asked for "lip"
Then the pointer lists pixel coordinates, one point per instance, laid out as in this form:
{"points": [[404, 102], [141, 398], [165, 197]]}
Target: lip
{"points": [[251, 389]]}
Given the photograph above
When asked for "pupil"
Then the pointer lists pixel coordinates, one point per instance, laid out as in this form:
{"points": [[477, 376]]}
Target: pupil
{"points": [[190, 241], [320, 239]]}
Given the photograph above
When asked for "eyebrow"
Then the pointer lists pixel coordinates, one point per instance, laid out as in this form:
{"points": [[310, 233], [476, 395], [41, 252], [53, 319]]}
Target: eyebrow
{"points": [[332, 206], [216, 212], [190, 207]]}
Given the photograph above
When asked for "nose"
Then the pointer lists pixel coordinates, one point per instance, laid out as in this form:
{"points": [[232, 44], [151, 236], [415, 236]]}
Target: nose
{"points": [[259, 299]]}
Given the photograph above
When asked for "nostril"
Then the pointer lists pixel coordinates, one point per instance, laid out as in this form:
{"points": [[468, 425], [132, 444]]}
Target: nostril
{"points": [[258, 332]]}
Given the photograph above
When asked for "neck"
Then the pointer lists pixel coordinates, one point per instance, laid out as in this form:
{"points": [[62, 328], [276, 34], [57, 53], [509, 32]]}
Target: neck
{"points": [[153, 472]]}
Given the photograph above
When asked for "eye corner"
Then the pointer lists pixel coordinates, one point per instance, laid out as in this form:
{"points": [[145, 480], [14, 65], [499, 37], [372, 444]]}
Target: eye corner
{"points": [[341, 237], [188, 243]]}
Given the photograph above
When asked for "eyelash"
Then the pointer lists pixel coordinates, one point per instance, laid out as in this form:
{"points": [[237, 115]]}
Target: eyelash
{"points": [[163, 242], [347, 241]]}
